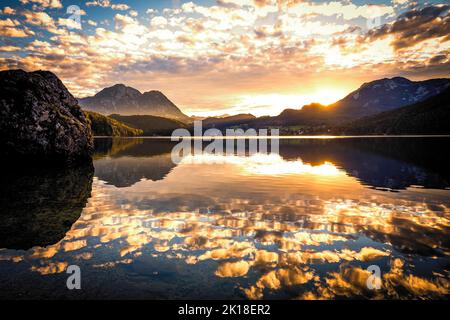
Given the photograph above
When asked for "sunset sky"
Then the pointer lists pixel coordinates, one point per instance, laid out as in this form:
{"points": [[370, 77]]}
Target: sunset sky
{"points": [[228, 56]]}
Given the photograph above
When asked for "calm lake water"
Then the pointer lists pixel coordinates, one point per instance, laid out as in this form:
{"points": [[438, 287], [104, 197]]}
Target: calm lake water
{"points": [[304, 224]]}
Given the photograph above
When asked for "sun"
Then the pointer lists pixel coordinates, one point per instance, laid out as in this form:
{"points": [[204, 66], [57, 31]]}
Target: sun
{"points": [[274, 104], [327, 96]]}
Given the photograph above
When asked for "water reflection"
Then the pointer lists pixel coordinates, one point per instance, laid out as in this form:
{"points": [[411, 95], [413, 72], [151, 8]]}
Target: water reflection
{"points": [[38, 206], [302, 225], [386, 163]]}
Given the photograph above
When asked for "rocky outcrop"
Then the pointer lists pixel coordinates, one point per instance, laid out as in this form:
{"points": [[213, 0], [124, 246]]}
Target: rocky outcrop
{"points": [[40, 118]]}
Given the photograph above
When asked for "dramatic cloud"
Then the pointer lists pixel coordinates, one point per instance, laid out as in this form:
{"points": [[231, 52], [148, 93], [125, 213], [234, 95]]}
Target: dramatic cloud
{"points": [[237, 55], [416, 26], [12, 29]]}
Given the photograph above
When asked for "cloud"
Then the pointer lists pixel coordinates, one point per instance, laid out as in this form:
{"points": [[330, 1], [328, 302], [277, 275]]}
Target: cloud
{"points": [[120, 6], [92, 23], [9, 49], [8, 11], [158, 22], [12, 28], [69, 23], [99, 3], [416, 26], [39, 18], [108, 4], [126, 24], [45, 3], [233, 49], [232, 269]]}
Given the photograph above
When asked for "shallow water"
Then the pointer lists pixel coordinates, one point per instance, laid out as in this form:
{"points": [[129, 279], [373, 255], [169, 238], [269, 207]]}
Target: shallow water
{"points": [[304, 224]]}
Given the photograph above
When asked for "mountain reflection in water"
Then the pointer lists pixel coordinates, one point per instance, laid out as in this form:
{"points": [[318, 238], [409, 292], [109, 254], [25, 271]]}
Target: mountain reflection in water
{"points": [[305, 224]]}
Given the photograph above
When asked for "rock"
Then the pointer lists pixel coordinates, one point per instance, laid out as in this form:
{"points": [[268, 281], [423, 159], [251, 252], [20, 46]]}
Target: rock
{"points": [[40, 118]]}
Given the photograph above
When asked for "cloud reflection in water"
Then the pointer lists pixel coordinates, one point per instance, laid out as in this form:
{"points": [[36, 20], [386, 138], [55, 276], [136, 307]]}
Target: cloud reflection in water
{"points": [[272, 228]]}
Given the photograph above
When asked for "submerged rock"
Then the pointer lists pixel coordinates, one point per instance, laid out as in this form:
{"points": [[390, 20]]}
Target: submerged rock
{"points": [[40, 118]]}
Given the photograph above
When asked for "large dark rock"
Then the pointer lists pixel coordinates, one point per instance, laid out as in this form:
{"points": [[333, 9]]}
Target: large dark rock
{"points": [[40, 118]]}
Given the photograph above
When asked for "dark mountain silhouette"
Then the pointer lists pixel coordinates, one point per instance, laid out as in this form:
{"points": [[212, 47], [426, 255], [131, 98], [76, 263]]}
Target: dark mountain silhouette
{"points": [[310, 115], [220, 122], [120, 99], [431, 116]]}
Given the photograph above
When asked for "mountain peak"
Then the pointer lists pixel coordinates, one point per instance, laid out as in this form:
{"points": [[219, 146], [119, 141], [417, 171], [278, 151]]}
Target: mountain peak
{"points": [[400, 79], [155, 93], [389, 82], [124, 100], [118, 90]]}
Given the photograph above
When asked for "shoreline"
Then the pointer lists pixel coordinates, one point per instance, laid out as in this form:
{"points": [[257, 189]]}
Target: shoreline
{"points": [[280, 137]]}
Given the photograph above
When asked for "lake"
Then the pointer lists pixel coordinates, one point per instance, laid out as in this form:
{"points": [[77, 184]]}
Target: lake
{"points": [[311, 222]]}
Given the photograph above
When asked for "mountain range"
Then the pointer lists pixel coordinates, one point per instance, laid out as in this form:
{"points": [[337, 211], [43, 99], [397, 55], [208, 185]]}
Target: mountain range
{"points": [[431, 116], [370, 99], [147, 111], [387, 94], [120, 99]]}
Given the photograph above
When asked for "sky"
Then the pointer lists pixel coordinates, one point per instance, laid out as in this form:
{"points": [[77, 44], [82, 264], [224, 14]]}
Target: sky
{"points": [[214, 57]]}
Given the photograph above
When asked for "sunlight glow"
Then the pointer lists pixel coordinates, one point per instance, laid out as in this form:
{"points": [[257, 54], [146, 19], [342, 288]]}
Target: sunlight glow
{"points": [[266, 164], [274, 104], [275, 165]]}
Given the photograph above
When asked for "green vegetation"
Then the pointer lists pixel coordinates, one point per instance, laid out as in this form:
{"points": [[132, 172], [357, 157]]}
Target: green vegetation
{"points": [[150, 125], [113, 146], [106, 126]]}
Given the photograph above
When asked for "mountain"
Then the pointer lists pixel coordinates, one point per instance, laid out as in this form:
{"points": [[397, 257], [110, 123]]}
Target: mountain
{"points": [[370, 99], [105, 126], [142, 159], [387, 94], [431, 116], [120, 99], [150, 125], [225, 121], [310, 115]]}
